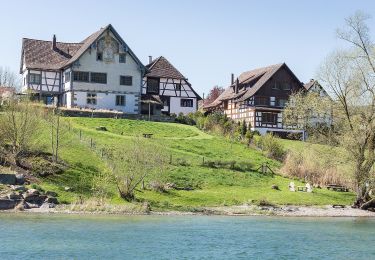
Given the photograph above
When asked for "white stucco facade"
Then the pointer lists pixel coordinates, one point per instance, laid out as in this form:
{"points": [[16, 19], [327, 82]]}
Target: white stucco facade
{"points": [[102, 67]]}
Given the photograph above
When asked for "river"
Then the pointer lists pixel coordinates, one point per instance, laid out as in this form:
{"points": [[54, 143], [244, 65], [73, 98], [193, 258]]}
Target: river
{"points": [[27, 236]]}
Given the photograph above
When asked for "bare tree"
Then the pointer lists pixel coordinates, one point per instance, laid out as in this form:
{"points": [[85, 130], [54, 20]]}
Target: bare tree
{"points": [[19, 123], [349, 75], [133, 164], [9, 78], [59, 132]]}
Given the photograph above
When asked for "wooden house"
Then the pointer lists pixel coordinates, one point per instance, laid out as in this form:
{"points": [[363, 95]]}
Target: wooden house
{"points": [[258, 97], [166, 90]]}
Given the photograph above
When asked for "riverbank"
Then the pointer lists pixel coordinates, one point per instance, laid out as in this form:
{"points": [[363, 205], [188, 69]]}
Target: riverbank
{"points": [[242, 210]]}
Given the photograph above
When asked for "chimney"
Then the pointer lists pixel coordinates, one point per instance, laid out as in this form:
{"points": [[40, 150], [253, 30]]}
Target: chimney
{"points": [[149, 59], [236, 87], [54, 42], [232, 79]]}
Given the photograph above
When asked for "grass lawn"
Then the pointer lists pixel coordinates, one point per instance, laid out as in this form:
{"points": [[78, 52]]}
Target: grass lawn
{"points": [[188, 147]]}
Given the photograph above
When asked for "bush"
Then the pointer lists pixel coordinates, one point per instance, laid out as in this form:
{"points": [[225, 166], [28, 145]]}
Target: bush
{"points": [[185, 119], [37, 187], [272, 146]]}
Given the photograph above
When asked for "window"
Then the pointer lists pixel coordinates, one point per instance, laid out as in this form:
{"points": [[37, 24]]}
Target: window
{"points": [[81, 76], [126, 80], [269, 118], [262, 101], [281, 102], [186, 102], [120, 100], [67, 76], [178, 87], [99, 56], [99, 77], [91, 99], [225, 104], [35, 78], [285, 86], [152, 85], [122, 58]]}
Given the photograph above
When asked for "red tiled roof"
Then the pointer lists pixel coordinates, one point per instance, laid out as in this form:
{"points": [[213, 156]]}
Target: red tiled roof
{"points": [[162, 68], [309, 84], [38, 54], [257, 78]]}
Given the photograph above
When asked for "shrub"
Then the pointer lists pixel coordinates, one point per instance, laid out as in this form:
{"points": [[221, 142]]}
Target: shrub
{"points": [[37, 187], [272, 146]]}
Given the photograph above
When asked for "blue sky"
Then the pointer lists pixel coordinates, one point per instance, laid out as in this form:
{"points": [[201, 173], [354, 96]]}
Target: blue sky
{"points": [[205, 40]]}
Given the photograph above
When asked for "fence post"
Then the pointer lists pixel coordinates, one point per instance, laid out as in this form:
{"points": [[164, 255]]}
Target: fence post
{"points": [[203, 160], [80, 134], [91, 142], [102, 152]]}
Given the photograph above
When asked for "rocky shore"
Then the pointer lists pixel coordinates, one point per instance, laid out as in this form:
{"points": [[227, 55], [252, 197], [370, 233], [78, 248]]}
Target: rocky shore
{"points": [[244, 210], [14, 194]]}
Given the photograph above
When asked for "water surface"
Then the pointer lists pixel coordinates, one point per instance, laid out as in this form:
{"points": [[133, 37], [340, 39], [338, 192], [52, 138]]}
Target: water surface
{"points": [[184, 237]]}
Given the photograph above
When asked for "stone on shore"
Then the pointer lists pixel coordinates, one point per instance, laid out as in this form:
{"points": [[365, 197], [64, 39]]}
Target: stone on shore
{"points": [[35, 198], [9, 179], [52, 200], [20, 179], [19, 188], [7, 204], [15, 196]]}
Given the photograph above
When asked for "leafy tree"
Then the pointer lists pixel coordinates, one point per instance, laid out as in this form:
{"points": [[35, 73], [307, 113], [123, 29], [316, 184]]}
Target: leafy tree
{"points": [[214, 93], [243, 128]]}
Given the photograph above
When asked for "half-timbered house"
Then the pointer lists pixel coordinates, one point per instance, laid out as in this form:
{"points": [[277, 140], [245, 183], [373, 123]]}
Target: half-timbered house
{"points": [[166, 90], [101, 72], [258, 97], [314, 86]]}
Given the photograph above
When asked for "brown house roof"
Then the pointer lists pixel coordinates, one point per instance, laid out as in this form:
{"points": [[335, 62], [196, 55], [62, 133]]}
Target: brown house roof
{"points": [[255, 78], [162, 68], [309, 84], [39, 54]]}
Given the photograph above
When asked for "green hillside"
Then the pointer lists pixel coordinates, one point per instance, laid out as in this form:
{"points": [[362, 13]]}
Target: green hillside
{"points": [[186, 147]]}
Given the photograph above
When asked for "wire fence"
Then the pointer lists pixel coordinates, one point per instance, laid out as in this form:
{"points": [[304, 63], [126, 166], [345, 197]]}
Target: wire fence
{"points": [[104, 152]]}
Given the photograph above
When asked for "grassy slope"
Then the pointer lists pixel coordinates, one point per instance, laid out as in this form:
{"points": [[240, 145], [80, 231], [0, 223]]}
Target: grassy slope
{"points": [[217, 186]]}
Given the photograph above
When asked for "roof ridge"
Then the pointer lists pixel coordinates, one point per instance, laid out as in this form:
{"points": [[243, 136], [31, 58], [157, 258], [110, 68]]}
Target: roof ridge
{"points": [[50, 41], [154, 62]]}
